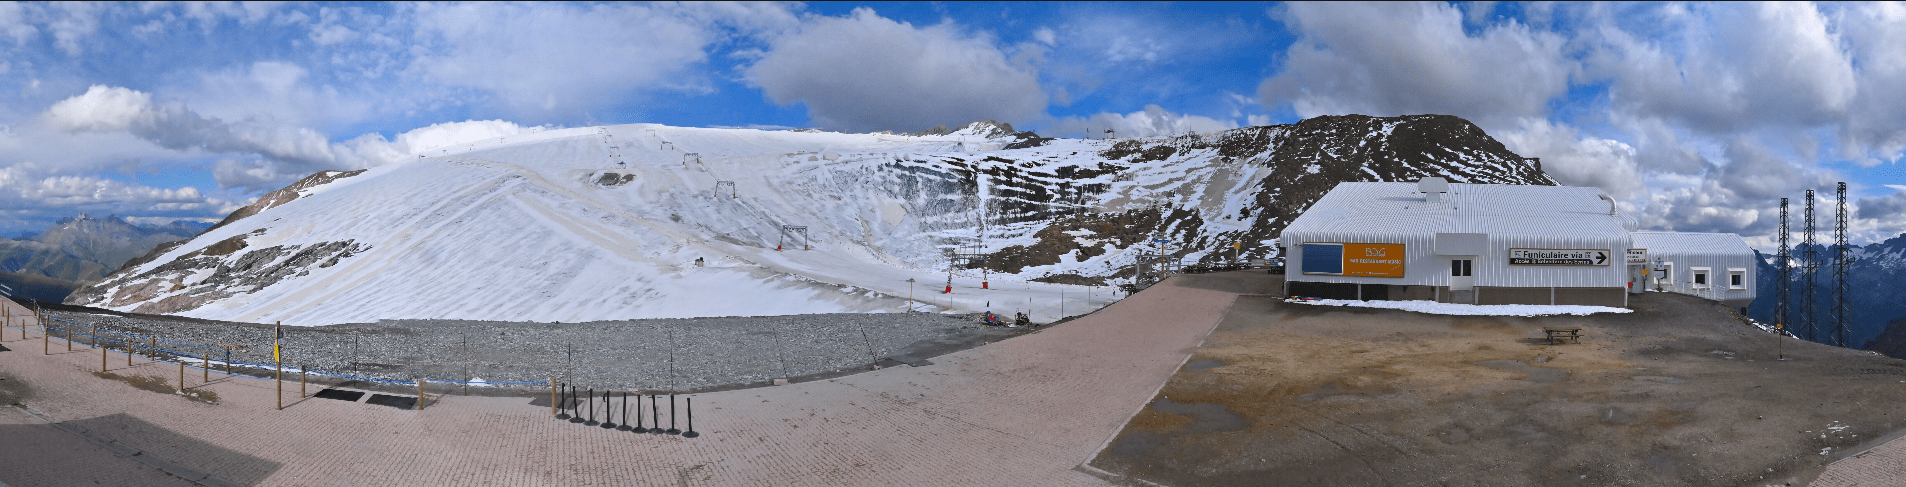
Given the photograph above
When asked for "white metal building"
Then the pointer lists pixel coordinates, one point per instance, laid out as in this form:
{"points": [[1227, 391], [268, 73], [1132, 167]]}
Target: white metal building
{"points": [[1717, 266], [1475, 243]]}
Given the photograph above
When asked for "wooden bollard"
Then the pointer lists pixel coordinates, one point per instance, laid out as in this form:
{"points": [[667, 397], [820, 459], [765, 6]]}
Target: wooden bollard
{"points": [[301, 382], [102, 358], [205, 369], [46, 340], [420, 394], [181, 375], [552, 394]]}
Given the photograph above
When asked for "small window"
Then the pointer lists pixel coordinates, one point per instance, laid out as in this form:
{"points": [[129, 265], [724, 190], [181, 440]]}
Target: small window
{"points": [[1737, 278], [1461, 267], [1700, 277]]}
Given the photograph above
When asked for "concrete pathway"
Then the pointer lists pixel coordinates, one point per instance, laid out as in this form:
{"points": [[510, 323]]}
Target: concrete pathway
{"points": [[1026, 411]]}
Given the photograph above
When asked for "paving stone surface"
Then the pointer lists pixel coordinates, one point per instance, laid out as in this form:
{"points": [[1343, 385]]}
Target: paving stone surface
{"points": [[1025, 411]]}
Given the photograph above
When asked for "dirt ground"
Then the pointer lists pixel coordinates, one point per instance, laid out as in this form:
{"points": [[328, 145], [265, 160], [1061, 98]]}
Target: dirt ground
{"points": [[1679, 392]]}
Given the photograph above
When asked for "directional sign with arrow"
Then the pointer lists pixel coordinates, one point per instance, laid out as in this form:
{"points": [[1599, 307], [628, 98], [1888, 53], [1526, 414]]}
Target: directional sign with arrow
{"points": [[1558, 256]]}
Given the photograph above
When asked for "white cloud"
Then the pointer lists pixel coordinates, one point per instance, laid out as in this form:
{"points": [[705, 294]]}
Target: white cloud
{"points": [[1388, 59], [269, 154], [35, 193], [1728, 68], [1153, 121], [546, 60], [866, 72], [1575, 159], [175, 126], [371, 150], [1046, 36], [1875, 129]]}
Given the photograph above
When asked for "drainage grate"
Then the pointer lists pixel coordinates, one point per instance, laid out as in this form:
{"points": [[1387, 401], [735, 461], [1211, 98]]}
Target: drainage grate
{"points": [[340, 394], [399, 402]]}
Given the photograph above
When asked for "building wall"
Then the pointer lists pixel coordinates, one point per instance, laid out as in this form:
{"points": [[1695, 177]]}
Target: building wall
{"points": [[1423, 268], [1682, 278]]}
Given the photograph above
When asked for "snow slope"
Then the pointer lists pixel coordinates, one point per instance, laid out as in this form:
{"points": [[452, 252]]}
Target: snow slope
{"points": [[606, 223]]}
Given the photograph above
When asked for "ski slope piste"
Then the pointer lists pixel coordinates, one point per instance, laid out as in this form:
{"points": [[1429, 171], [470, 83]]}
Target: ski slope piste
{"points": [[607, 223]]}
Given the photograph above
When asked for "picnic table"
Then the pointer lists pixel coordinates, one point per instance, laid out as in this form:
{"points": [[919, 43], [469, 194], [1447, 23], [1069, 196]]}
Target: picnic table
{"points": [[1557, 334]]}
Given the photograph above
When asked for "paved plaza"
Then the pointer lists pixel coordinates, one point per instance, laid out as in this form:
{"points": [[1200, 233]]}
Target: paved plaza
{"points": [[1026, 411]]}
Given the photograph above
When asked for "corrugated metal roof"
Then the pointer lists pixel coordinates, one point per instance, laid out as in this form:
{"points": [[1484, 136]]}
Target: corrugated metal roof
{"points": [[1693, 243], [1392, 209]]}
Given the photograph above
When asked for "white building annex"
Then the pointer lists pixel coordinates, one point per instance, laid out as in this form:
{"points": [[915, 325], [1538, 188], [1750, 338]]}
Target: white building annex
{"points": [[1717, 266], [1497, 244]]}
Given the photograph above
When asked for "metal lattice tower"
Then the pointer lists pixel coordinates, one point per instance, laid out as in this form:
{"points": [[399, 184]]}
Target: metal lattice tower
{"points": [[1808, 262], [1840, 264], [1784, 287]]}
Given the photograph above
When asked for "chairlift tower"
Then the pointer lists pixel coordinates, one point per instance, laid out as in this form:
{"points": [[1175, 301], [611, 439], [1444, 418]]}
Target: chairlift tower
{"points": [[1808, 263], [788, 229], [1784, 287], [1840, 263]]}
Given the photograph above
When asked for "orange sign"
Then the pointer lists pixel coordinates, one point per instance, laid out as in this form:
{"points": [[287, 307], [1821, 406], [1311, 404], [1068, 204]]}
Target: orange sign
{"points": [[1373, 260]]}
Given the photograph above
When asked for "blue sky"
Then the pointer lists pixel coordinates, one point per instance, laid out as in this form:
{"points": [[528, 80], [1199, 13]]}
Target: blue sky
{"points": [[1697, 116]]}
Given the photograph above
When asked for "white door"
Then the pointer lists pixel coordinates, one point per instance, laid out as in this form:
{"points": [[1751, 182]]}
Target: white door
{"points": [[1462, 274], [1637, 281]]}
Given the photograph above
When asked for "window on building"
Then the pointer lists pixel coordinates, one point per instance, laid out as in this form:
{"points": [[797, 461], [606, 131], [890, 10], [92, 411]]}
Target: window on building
{"points": [[1700, 277], [1736, 278], [1461, 267]]}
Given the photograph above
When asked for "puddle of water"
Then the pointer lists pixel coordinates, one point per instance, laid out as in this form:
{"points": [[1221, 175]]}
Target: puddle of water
{"points": [[1539, 375], [1206, 417], [1324, 391], [1658, 378], [1203, 364]]}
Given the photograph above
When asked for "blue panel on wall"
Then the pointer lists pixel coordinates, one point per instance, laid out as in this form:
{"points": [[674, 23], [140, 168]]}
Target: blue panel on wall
{"points": [[1323, 258]]}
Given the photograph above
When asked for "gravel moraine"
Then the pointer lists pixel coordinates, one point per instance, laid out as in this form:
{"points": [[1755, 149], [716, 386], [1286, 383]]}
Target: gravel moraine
{"points": [[682, 355]]}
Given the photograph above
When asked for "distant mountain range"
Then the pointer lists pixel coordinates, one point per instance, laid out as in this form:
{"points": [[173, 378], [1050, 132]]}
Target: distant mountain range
{"points": [[80, 250], [1876, 293]]}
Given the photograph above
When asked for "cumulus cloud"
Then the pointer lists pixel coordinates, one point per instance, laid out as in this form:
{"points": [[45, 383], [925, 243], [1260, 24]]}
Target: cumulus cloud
{"points": [[1389, 59], [1575, 159], [263, 155], [1875, 129], [1891, 208], [1731, 67], [1152, 121], [559, 59], [866, 72], [36, 194], [175, 126]]}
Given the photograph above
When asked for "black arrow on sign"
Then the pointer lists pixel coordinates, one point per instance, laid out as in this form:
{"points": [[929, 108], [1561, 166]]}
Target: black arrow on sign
{"points": [[1601, 257]]}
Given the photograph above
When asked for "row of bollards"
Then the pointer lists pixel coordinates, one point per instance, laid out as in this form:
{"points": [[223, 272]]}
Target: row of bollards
{"points": [[571, 399]]}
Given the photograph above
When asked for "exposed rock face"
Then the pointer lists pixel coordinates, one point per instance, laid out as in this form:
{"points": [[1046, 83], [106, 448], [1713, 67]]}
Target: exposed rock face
{"points": [[1304, 161], [211, 273]]}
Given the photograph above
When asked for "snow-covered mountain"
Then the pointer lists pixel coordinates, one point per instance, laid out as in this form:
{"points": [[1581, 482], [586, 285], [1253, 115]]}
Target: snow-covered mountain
{"points": [[78, 250], [1876, 292], [608, 222]]}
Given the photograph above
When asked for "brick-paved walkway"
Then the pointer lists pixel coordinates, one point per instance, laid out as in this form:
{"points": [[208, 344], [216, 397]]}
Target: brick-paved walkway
{"points": [[1026, 411], [1883, 465]]}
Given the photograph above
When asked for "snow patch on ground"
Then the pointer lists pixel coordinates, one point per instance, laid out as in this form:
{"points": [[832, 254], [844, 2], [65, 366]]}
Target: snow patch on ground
{"points": [[1435, 308]]}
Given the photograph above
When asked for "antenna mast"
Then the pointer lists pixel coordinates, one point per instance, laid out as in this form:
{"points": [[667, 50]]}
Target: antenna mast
{"points": [[1808, 262], [1784, 287], [1840, 264]]}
